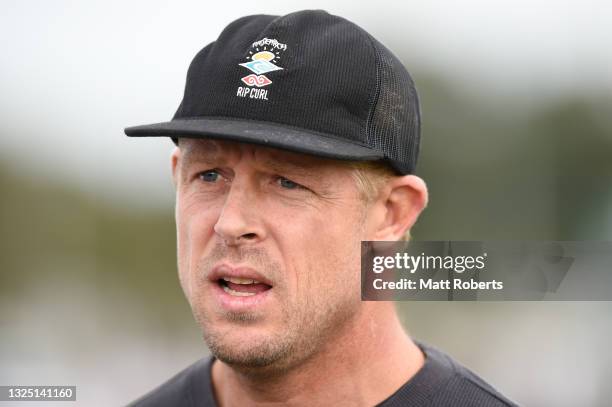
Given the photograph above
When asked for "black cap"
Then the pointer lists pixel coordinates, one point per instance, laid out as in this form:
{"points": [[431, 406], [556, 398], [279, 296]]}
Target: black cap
{"points": [[307, 82]]}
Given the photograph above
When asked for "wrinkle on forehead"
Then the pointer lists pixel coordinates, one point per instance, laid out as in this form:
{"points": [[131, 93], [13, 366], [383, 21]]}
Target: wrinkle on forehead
{"points": [[208, 150], [198, 150]]}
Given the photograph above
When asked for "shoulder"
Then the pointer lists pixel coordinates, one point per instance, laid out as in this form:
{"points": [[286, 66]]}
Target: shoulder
{"points": [[465, 388], [442, 382], [180, 389]]}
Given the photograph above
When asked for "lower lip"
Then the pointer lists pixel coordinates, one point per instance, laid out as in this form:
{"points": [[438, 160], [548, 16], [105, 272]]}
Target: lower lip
{"points": [[239, 303]]}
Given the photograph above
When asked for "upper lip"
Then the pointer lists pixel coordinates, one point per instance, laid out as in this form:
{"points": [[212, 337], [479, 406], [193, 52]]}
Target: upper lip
{"points": [[227, 270]]}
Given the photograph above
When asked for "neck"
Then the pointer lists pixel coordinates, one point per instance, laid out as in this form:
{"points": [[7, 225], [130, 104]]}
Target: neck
{"points": [[361, 366]]}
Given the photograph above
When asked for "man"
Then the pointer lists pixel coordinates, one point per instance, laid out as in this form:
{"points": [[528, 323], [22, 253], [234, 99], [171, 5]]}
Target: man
{"points": [[296, 140]]}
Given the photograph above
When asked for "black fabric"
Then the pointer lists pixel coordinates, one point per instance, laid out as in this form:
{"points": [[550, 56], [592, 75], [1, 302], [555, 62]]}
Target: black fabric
{"points": [[395, 121], [336, 82], [267, 134], [441, 382]]}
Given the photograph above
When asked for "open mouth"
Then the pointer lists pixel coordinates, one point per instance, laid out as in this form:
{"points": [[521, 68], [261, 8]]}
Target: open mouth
{"points": [[242, 287]]}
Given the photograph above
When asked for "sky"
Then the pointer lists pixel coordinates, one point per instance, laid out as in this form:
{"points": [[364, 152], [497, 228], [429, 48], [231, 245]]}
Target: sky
{"points": [[74, 74]]}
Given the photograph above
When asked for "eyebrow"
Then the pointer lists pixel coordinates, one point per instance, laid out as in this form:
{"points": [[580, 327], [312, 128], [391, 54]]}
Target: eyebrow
{"points": [[309, 170], [212, 154], [306, 170]]}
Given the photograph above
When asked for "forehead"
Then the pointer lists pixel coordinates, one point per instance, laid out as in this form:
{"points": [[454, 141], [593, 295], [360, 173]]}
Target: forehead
{"points": [[197, 150]]}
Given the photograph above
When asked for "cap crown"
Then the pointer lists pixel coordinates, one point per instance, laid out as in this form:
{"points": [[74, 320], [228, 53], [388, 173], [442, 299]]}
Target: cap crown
{"points": [[309, 70]]}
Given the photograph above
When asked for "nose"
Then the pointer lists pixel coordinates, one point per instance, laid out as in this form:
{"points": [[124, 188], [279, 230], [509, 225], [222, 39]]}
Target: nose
{"points": [[239, 221]]}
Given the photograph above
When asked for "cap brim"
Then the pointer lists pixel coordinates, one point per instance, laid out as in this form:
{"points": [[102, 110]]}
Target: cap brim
{"points": [[267, 134]]}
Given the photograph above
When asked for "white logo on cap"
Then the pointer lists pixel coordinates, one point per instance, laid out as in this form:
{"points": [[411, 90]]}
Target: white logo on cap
{"points": [[261, 60]]}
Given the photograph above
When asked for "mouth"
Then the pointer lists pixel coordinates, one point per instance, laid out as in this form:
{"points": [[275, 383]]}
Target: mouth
{"points": [[242, 287]]}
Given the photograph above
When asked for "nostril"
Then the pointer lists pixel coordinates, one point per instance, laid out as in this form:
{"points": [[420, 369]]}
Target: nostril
{"points": [[249, 236]]}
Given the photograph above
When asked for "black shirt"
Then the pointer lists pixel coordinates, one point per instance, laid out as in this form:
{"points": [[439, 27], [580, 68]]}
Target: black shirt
{"points": [[441, 382]]}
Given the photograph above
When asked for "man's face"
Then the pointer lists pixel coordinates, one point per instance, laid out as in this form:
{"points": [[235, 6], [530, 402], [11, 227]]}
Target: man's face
{"points": [[291, 222]]}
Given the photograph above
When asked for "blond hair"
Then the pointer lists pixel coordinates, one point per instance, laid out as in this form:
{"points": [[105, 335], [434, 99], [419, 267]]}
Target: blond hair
{"points": [[370, 177]]}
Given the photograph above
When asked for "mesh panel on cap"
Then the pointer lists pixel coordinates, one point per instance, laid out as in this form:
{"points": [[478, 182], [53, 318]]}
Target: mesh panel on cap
{"points": [[394, 122]]}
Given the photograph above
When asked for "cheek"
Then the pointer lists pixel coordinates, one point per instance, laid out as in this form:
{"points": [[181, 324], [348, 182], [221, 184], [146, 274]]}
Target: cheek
{"points": [[194, 224], [326, 256]]}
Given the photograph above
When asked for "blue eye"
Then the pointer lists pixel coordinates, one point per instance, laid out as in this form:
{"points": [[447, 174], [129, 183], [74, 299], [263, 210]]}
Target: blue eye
{"points": [[288, 184], [209, 176]]}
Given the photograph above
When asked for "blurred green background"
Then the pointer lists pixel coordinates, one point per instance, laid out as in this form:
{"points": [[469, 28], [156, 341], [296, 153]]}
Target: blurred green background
{"points": [[517, 145]]}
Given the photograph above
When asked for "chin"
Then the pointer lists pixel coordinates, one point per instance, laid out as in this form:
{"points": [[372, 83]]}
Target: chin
{"points": [[247, 347], [248, 351]]}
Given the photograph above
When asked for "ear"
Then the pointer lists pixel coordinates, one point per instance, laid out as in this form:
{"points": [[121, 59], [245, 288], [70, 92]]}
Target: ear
{"points": [[401, 201], [174, 162]]}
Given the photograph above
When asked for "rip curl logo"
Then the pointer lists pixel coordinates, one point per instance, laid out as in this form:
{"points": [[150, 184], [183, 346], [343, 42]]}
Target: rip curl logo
{"points": [[256, 80], [261, 66], [262, 59]]}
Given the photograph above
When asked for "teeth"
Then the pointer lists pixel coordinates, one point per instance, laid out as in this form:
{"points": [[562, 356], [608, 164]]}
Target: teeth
{"points": [[236, 293], [237, 280]]}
